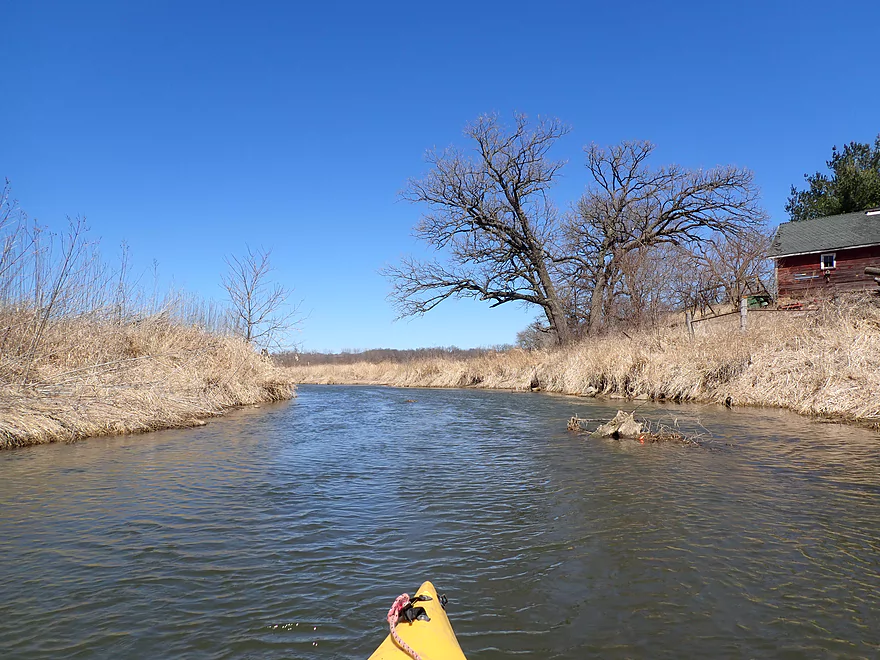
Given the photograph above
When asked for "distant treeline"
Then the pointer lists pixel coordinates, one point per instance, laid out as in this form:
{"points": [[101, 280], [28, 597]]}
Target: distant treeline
{"points": [[376, 355]]}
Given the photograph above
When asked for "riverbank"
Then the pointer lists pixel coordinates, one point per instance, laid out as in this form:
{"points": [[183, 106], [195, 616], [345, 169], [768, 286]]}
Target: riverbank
{"points": [[824, 363], [93, 377]]}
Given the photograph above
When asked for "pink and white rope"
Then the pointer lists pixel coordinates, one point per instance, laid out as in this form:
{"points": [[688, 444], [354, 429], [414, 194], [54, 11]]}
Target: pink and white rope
{"points": [[400, 604]]}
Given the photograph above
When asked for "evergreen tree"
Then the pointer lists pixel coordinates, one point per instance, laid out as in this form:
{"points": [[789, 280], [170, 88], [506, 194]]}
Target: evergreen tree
{"points": [[853, 185]]}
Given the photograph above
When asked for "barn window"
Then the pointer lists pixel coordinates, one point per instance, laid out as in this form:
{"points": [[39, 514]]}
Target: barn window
{"points": [[829, 261]]}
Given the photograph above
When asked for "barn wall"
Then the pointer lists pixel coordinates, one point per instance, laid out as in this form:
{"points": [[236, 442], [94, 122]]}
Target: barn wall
{"points": [[799, 276]]}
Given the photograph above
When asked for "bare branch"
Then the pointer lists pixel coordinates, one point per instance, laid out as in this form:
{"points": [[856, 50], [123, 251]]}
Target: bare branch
{"points": [[631, 208], [260, 308], [491, 216]]}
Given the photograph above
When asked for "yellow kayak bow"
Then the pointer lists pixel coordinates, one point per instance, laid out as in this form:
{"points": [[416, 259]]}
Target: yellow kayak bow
{"points": [[431, 639]]}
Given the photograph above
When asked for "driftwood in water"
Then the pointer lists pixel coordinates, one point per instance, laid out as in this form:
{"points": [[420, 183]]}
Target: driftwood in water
{"points": [[625, 426]]}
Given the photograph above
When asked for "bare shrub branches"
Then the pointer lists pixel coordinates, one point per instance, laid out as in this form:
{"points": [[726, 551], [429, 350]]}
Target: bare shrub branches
{"points": [[52, 278], [261, 314]]}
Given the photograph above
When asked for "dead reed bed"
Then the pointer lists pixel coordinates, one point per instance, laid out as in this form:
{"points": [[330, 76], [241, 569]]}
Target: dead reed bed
{"points": [[85, 350], [91, 376], [824, 363]]}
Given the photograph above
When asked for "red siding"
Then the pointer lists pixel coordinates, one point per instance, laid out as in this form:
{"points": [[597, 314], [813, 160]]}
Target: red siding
{"points": [[799, 276]]}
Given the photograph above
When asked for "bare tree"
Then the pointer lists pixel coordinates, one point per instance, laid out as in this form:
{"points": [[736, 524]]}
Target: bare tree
{"points": [[733, 261], [646, 290], [534, 336], [16, 244], [630, 207], [260, 307], [502, 239], [491, 216]]}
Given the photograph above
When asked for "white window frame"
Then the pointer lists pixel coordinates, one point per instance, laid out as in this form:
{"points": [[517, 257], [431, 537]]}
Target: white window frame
{"points": [[833, 265]]}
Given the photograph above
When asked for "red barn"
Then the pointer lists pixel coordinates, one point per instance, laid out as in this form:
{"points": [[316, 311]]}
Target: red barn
{"points": [[827, 254]]}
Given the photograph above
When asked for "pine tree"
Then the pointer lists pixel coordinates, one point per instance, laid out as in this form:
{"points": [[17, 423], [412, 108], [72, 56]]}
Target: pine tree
{"points": [[853, 184]]}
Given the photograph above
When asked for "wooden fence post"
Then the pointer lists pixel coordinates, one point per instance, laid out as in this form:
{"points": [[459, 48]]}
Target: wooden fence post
{"points": [[743, 313], [689, 321]]}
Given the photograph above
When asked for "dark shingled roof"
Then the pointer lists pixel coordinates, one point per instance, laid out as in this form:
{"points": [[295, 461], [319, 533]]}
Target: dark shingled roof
{"points": [[833, 232]]}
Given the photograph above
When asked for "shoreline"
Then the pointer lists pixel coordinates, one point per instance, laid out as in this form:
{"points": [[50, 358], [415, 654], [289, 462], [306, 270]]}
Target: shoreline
{"points": [[824, 365], [97, 378], [54, 428], [867, 424]]}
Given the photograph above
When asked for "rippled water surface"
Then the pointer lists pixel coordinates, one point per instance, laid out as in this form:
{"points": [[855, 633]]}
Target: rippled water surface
{"points": [[286, 532]]}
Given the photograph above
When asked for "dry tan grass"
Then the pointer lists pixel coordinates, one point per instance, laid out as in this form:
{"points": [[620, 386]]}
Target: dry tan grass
{"points": [[92, 377], [824, 363]]}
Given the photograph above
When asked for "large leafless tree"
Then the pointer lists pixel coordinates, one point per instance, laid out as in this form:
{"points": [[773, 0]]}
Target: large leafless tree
{"points": [[630, 207], [489, 213], [501, 240]]}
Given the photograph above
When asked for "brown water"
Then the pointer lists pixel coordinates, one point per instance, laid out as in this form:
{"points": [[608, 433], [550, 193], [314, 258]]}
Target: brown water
{"points": [[286, 532]]}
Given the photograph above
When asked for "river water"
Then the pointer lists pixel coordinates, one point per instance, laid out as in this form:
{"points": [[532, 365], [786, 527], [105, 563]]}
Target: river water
{"points": [[286, 532]]}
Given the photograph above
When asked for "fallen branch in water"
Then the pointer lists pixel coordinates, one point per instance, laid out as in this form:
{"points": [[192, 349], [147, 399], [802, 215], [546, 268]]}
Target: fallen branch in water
{"points": [[625, 426]]}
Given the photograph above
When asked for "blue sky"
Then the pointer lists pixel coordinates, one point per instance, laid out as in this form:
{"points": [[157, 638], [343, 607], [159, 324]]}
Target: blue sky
{"points": [[189, 129]]}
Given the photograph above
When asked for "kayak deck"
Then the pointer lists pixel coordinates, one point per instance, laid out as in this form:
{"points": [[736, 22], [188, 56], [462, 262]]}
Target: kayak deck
{"points": [[432, 640]]}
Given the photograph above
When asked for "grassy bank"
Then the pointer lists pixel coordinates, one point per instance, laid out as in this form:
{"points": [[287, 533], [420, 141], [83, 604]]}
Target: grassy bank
{"points": [[824, 363], [86, 349], [89, 376]]}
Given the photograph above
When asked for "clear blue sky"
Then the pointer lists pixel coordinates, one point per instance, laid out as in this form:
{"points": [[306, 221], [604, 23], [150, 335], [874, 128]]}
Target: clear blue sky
{"points": [[191, 128]]}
